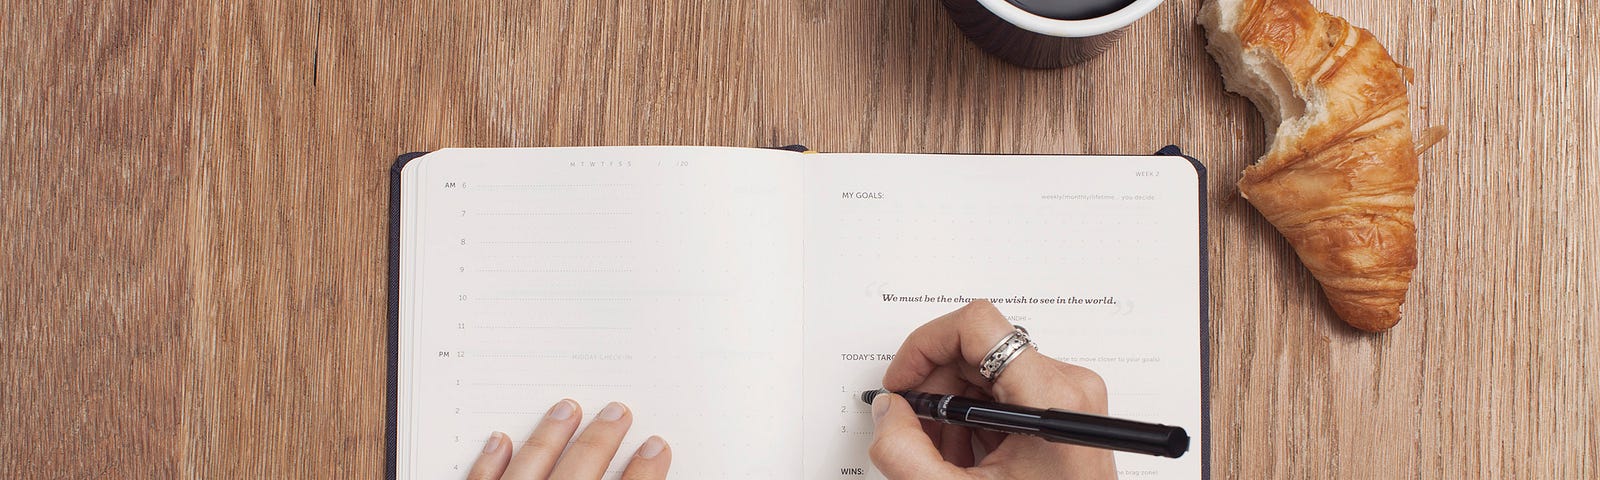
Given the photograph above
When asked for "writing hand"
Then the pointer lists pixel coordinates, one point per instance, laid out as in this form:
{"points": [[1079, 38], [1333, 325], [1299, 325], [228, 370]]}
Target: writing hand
{"points": [[942, 356]]}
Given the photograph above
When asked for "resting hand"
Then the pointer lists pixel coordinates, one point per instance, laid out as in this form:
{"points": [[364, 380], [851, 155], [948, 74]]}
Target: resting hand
{"points": [[942, 357], [541, 456]]}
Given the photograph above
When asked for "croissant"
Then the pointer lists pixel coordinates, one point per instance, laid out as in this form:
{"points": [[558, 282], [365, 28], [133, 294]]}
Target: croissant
{"points": [[1339, 176]]}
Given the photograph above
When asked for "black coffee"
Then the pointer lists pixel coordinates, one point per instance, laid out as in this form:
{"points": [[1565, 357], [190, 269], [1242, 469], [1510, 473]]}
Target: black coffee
{"points": [[1071, 9]]}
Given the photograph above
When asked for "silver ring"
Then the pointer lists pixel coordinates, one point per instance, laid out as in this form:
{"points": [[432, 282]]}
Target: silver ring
{"points": [[1004, 352]]}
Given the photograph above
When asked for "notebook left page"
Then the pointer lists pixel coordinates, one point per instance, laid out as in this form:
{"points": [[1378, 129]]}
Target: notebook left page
{"points": [[666, 278]]}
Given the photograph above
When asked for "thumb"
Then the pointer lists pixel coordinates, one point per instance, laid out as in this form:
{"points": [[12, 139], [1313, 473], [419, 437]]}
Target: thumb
{"points": [[900, 449]]}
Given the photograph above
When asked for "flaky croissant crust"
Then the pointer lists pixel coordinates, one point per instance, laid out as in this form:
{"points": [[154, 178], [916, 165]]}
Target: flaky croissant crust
{"points": [[1339, 183]]}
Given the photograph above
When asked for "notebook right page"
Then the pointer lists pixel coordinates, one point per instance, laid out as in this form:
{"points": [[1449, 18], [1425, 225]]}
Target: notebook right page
{"points": [[1098, 256]]}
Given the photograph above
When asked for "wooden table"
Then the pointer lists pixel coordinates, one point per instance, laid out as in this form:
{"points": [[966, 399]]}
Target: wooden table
{"points": [[193, 200]]}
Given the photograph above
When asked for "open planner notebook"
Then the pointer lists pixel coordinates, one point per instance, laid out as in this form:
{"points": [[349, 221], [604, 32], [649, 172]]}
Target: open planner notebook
{"points": [[738, 300]]}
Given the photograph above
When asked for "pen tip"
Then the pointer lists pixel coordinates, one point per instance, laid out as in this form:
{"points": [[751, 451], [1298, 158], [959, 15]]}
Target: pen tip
{"points": [[867, 396]]}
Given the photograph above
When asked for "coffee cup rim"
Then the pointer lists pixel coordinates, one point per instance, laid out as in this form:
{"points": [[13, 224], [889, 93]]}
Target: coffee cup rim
{"points": [[1070, 28]]}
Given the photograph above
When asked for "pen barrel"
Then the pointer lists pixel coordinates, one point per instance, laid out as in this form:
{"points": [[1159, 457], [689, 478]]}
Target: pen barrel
{"points": [[1064, 427]]}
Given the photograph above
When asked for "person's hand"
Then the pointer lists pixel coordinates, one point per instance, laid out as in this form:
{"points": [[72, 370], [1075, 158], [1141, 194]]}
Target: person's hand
{"points": [[541, 458], [942, 357]]}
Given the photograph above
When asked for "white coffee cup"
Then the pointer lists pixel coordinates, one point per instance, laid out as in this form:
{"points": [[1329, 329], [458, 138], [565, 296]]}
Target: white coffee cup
{"points": [[1046, 33]]}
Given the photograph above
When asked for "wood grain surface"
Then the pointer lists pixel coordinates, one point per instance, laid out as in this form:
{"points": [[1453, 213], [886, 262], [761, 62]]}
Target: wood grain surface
{"points": [[193, 203]]}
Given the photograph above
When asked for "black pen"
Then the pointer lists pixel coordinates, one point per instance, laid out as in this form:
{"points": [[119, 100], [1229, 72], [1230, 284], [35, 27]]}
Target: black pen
{"points": [[1059, 426]]}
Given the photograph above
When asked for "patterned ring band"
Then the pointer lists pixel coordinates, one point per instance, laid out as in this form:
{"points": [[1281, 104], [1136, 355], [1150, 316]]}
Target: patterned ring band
{"points": [[1004, 352]]}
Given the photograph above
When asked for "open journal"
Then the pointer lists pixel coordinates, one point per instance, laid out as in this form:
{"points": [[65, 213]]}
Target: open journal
{"points": [[739, 300]]}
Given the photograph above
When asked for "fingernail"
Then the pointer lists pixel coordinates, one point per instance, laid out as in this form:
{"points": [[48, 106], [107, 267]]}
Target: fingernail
{"points": [[612, 412], [652, 447], [561, 410], [880, 406], [493, 443]]}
